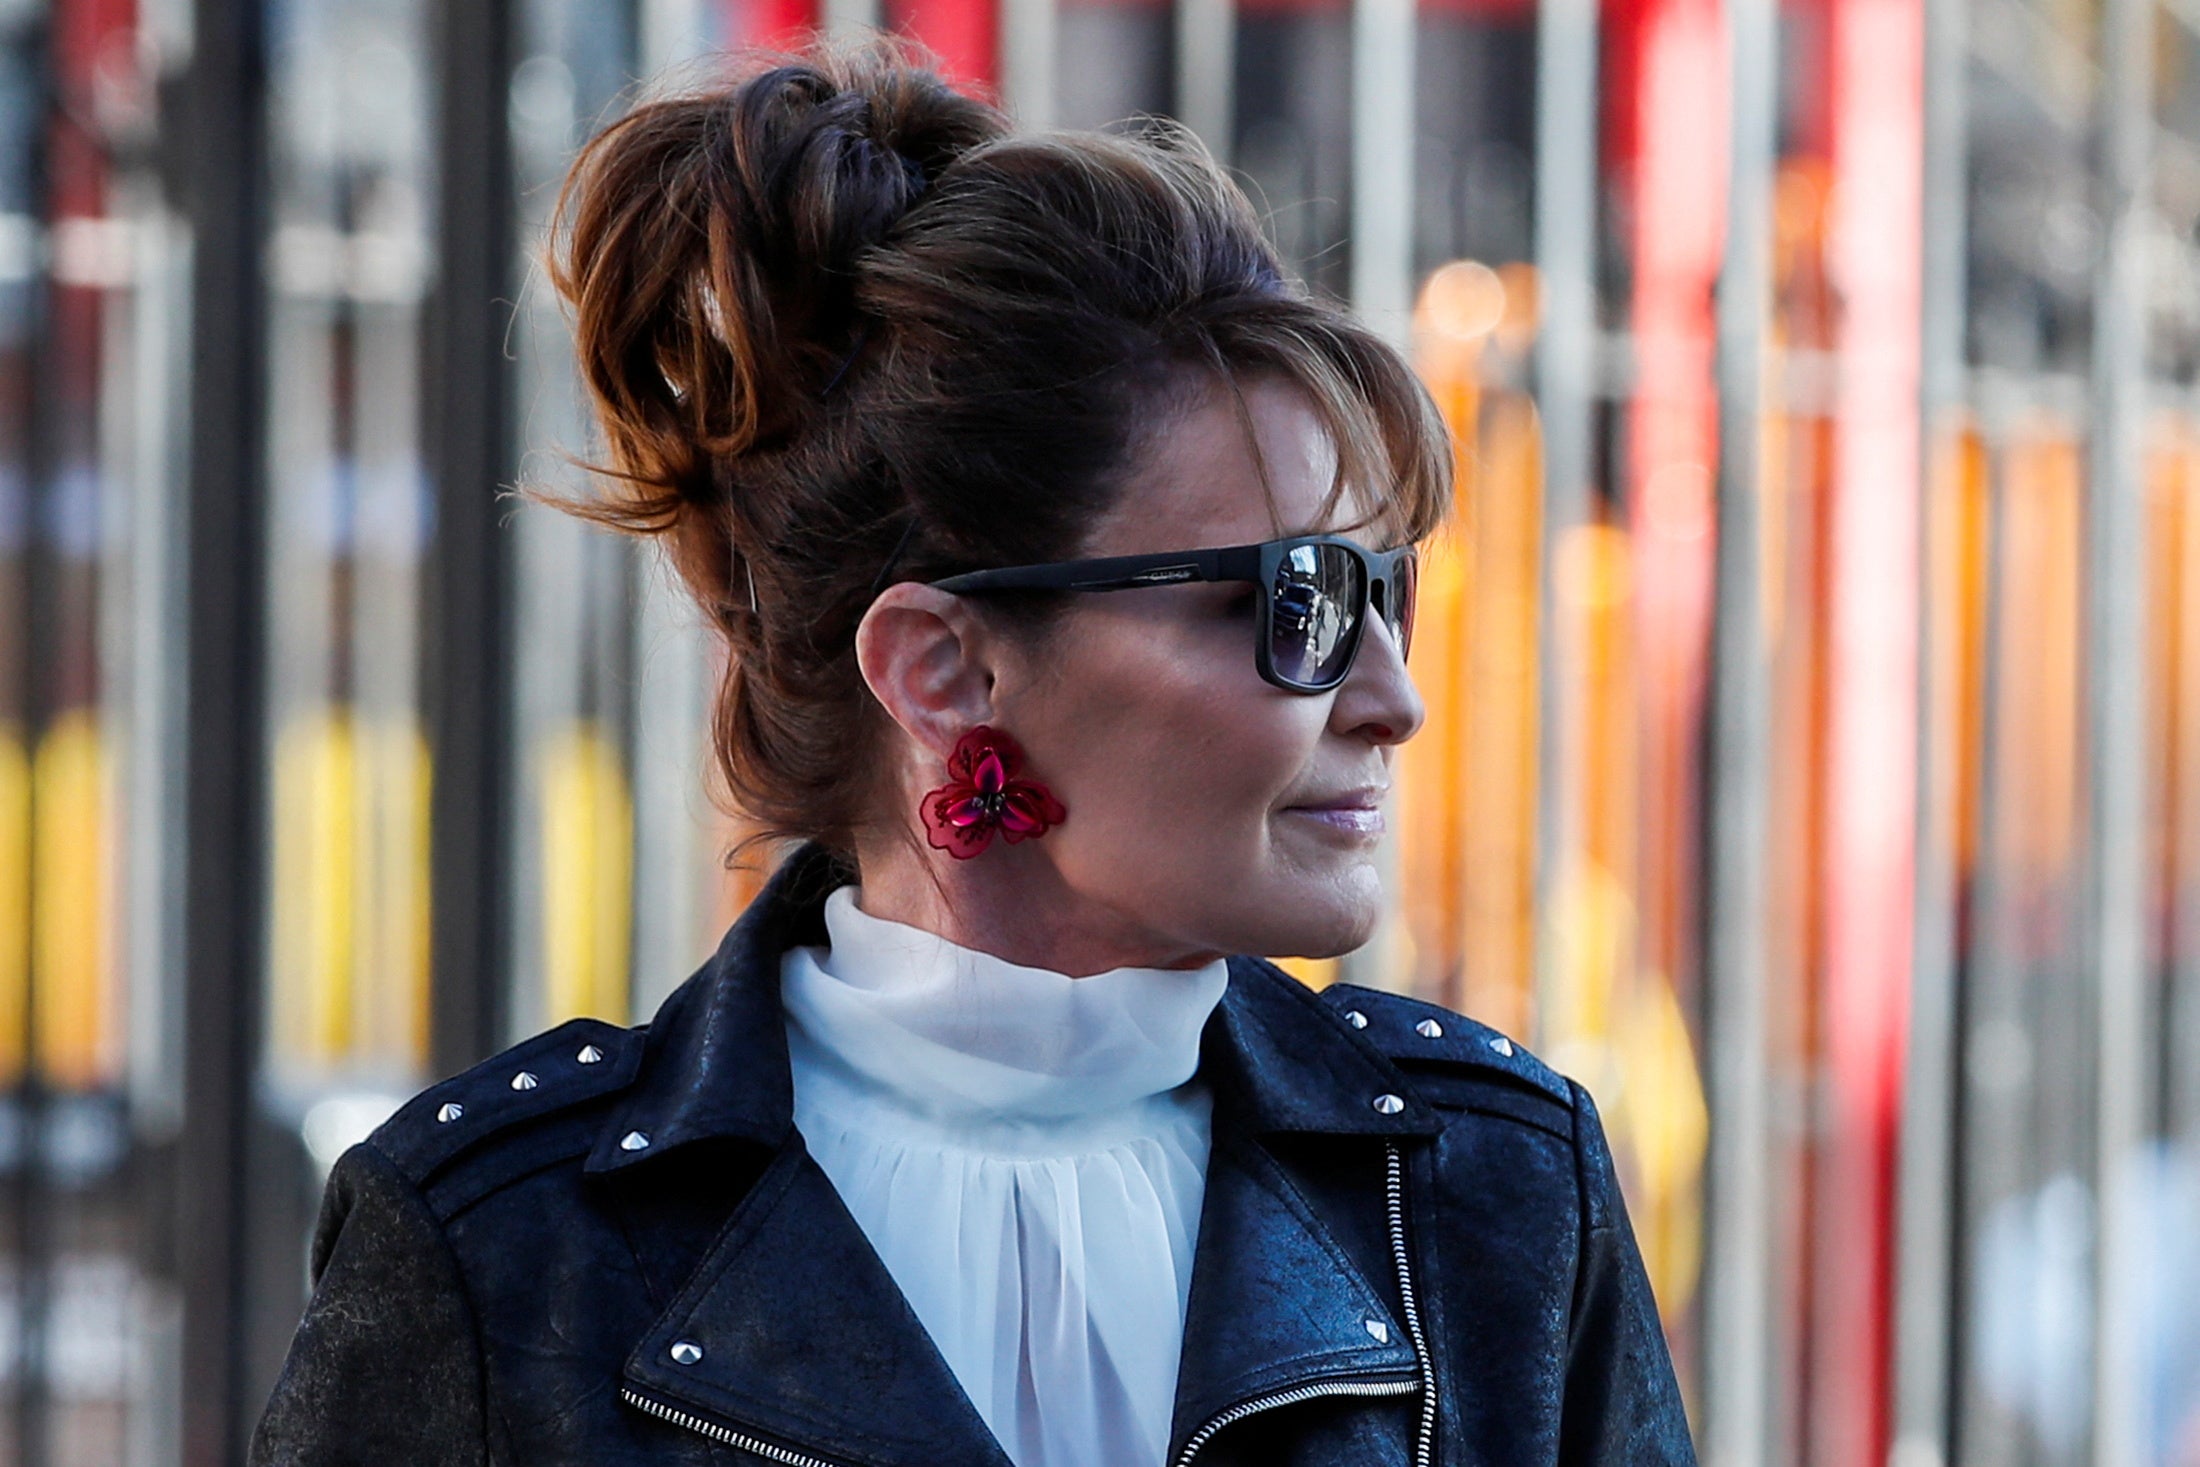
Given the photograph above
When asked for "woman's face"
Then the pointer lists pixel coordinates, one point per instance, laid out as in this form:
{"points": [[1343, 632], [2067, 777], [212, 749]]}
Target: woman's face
{"points": [[1209, 811]]}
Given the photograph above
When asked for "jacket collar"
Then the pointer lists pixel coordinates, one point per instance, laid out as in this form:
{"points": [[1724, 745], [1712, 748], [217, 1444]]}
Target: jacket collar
{"points": [[806, 1342], [715, 1063]]}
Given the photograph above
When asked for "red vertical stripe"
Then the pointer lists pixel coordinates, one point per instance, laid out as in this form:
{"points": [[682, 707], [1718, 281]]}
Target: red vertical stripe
{"points": [[965, 34], [779, 24], [1678, 102], [1875, 262]]}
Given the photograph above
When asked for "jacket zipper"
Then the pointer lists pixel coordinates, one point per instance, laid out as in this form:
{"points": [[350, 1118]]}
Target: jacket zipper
{"points": [[722, 1435], [1424, 1441], [1423, 1383], [1292, 1397]]}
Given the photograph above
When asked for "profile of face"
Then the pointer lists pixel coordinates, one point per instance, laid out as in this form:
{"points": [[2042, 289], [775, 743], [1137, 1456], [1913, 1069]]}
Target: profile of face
{"points": [[1209, 812]]}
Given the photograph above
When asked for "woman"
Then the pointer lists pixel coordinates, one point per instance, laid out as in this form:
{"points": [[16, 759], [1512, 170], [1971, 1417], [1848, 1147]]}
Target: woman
{"points": [[1063, 554]]}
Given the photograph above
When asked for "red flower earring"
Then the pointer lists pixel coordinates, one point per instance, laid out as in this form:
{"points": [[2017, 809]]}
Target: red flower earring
{"points": [[983, 795]]}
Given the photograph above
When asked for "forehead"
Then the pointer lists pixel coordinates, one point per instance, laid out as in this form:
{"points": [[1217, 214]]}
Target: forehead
{"points": [[1228, 468]]}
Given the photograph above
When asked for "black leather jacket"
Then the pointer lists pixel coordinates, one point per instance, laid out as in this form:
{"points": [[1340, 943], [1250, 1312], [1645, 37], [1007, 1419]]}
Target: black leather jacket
{"points": [[609, 1247]]}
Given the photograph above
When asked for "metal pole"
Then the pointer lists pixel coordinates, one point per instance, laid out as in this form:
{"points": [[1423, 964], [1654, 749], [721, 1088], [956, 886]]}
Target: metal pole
{"points": [[1382, 165], [1565, 381], [1206, 71], [225, 821], [1028, 43], [468, 435], [1924, 1283], [844, 18], [1737, 1297], [2116, 730], [668, 33], [1989, 998]]}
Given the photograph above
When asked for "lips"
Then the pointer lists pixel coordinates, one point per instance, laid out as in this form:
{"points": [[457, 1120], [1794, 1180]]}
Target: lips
{"points": [[1354, 814], [1361, 799]]}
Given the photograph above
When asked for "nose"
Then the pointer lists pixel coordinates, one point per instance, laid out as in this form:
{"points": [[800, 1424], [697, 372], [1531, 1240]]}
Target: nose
{"points": [[1377, 700]]}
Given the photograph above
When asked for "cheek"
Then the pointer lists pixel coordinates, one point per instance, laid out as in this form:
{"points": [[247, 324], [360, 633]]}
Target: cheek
{"points": [[1172, 743]]}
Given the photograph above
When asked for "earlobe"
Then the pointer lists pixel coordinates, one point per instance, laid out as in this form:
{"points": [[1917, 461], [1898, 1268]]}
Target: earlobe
{"points": [[923, 657]]}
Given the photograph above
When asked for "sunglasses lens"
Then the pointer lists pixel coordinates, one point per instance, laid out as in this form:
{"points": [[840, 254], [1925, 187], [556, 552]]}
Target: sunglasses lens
{"points": [[1316, 604], [1405, 589]]}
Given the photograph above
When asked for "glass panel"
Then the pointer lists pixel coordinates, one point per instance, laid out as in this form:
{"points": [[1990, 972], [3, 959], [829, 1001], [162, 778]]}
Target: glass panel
{"points": [[1617, 1003], [349, 264], [618, 893], [90, 310], [1468, 856], [2028, 1035], [573, 896], [1113, 61], [1474, 134], [1293, 129]]}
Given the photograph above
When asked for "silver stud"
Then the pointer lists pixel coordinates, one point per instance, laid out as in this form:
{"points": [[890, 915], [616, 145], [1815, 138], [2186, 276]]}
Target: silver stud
{"points": [[1429, 1029], [589, 1055], [525, 1080], [1388, 1105], [686, 1352], [634, 1141], [451, 1111], [1355, 1018], [1502, 1045], [1379, 1330]]}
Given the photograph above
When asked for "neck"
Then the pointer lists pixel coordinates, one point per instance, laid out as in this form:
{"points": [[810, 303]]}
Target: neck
{"points": [[1013, 903]]}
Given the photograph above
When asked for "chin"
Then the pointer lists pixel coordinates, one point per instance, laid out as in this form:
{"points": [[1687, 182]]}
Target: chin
{"points": [[1328, 922]]}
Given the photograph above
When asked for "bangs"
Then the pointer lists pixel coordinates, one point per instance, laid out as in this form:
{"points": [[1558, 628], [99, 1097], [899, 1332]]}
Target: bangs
{"points": [[1394, 452]]}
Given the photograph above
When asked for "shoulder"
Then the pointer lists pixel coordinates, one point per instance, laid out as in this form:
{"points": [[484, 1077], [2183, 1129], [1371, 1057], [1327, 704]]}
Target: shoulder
{"points": [[539, 1102], [1457, 1063]]}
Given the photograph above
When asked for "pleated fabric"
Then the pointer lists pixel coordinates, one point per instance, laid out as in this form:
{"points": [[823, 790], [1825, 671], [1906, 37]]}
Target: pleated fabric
{"points": [[1027, 1152]]}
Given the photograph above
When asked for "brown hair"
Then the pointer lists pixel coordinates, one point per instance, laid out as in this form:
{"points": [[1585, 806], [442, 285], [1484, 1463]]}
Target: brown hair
{"points": [[841, 326]]}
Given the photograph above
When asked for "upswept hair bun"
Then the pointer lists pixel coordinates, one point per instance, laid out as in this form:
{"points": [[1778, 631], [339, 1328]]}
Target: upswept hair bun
{"points": [[842, 326]]}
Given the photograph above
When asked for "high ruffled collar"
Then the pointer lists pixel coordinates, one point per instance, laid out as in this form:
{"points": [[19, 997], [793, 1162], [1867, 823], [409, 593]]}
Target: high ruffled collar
{"points": [[950, 1032]]}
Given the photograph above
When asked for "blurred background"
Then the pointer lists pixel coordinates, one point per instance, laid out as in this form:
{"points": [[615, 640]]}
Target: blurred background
{"points": [[1813, 766]]}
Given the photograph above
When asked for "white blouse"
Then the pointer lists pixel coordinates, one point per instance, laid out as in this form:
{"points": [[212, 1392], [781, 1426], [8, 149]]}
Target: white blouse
{"points": [[1027, 1152]]}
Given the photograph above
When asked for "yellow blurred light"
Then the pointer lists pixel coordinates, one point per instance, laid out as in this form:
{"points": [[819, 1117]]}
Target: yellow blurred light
{"points": [[1619, 1030], [315, 880], [76, 1039], [349, 973], [1594, 571], [588, 875]]}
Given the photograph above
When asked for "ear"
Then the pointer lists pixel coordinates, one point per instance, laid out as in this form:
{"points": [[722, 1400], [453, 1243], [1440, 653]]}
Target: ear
{"points": [[927, 660]]}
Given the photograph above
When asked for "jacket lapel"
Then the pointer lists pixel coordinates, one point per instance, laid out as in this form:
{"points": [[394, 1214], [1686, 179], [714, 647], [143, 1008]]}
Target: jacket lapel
{"points": [[1276, 1304], [1279, 1304], [792, 1331]]}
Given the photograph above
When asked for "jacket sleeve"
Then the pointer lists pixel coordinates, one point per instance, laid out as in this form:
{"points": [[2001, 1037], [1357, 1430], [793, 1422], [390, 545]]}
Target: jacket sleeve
{"points": [[386, 1365], [1622, 1404]]}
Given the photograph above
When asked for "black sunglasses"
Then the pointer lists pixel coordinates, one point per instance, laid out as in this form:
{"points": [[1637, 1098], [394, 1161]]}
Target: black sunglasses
{"points": [[1315, 591]]}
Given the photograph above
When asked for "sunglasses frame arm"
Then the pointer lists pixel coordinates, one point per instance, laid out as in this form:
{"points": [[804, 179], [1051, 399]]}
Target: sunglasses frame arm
{"points": [[1114, 573]]}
